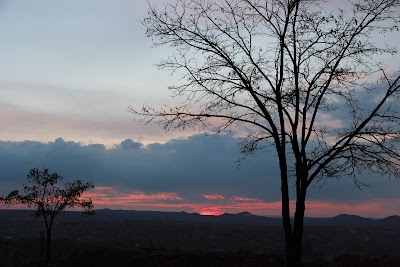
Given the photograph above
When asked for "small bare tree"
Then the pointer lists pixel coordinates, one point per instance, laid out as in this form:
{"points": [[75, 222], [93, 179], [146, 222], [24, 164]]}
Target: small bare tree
{"points": [[284, 69], [44, 194]]}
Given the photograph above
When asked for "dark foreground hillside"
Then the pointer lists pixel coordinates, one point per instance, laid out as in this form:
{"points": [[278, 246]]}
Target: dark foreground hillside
{"points": [[68, 254], [125, 238]]}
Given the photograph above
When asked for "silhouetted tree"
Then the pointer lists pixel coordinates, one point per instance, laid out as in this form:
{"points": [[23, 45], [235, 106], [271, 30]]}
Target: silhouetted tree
{"points": [[286, 70], [43, 193]]}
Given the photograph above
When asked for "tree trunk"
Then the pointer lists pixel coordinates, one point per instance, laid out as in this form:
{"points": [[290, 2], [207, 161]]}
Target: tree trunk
{"points": [[293, 237], [298, 229], [48, 247], [287, 225], [294, 241]]}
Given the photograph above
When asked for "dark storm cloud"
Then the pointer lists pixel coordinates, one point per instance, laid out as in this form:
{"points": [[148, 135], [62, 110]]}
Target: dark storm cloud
{"points": [[194, 167], [191, 167]]}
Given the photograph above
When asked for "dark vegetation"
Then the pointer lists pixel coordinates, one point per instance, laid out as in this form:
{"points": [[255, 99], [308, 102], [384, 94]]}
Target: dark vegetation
{"points": [[49, 199], [133, 238]]}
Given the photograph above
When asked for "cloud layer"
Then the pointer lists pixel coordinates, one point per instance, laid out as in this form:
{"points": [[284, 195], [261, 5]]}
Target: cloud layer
{"points": [[197, 174]]}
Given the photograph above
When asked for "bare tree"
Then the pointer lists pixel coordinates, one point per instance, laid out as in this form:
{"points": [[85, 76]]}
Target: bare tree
{"points": [[43, 193], [284, 69]]}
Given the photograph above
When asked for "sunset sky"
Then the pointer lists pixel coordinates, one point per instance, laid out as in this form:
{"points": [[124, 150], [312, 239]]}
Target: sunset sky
{"points": [[68, 71]]}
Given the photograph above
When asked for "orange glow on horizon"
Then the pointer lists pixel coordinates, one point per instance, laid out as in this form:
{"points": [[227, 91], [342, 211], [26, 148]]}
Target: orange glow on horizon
{"points": [[209, 213]]}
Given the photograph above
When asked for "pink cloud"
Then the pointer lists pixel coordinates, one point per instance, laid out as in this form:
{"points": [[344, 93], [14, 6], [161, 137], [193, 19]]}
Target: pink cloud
{"points": [[213, 197], [104, 188], [107, 195], [152, 197]]}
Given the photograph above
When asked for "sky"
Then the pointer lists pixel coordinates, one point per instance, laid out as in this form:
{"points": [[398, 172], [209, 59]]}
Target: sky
{"points": [[68, 72]]}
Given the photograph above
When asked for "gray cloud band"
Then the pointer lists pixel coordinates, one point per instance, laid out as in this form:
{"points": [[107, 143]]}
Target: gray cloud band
{"points": [[193, 167]]}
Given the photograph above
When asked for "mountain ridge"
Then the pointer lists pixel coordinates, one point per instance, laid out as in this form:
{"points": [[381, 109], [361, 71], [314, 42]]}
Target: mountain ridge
{"points": [[246, 213], [343, 220]]}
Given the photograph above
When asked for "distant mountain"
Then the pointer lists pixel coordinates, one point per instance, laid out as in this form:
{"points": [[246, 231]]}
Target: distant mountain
{"points": [[345, 219], [390, 222], [393, 218], [246, 218], [342, 220], [227, 218], [240, 214]]}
